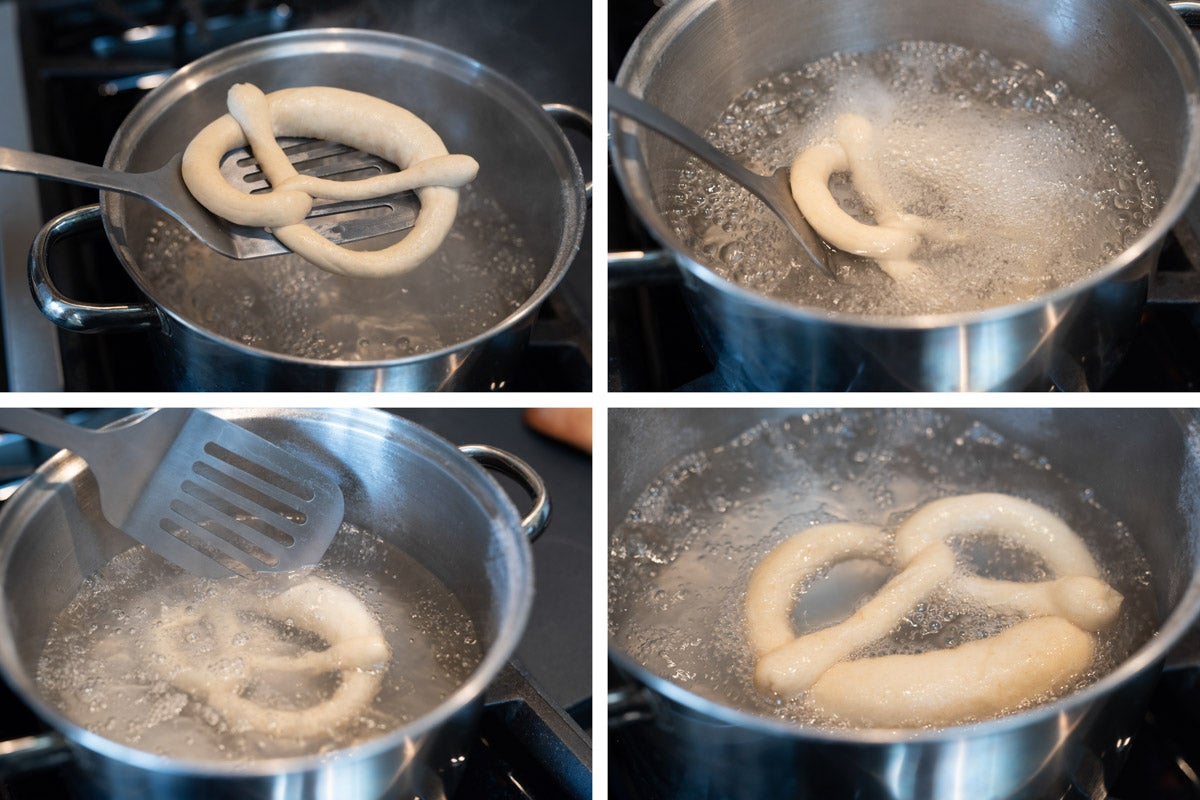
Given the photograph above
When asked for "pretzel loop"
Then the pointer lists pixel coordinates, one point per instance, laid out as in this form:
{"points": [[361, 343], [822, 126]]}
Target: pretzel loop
{"points": [[233, 661], [1053, 646], [360, 121], [894, 237]]}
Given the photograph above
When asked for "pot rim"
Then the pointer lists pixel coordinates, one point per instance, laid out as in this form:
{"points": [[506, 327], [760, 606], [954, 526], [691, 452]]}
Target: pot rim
{"points": [[517, 596], [1146, 657], [635, 72], [1149, 656], [574, 206]]}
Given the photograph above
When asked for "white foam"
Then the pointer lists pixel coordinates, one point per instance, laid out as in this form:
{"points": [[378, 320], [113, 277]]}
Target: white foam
{"points": [[1037, 187]]}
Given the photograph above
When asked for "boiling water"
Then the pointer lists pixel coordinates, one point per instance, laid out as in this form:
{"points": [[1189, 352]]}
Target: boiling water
{"points": [[100, 668], [1036, 186], [681, 560], [481, 274]]}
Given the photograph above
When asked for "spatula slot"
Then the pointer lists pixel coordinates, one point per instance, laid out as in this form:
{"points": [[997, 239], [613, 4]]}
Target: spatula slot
{"points": [[231, 510], [201, 546], [211, 526], [249, 493], [260, 471]]}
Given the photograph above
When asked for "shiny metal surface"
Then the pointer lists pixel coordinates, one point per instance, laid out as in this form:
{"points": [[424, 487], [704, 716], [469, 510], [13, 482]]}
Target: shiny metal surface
{"points": [[694, 747], [1133, 59], [534, 523], [177, 475], [52, 536], [60, 309], [165, 189], [774, 189], [530, 171]]}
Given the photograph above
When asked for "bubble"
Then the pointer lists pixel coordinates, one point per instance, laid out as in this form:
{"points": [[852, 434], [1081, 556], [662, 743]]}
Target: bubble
{"points": [[484, 270]]}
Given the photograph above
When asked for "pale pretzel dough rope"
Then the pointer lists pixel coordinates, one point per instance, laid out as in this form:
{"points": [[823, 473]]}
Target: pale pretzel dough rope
{"points": [[357, 651], [894, 238], [360, 121], [1078, 594], [972, 681], [791, 665]]}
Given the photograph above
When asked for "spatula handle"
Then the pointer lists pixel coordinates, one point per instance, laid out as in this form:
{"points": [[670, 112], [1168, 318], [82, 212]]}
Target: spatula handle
{"points": [[49, 429], [628, 105], [62, 169]]}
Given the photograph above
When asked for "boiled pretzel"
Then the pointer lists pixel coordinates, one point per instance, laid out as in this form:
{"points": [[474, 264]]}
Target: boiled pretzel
{"points": [[357, 651], [788, 664], [1078, 595], [979, 678], [972, 681], [894, 238], [360, 121]]}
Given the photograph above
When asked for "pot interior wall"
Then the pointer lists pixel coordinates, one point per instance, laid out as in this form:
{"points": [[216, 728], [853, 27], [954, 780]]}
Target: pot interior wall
{"points": [[1115, 53], [397, 482]]}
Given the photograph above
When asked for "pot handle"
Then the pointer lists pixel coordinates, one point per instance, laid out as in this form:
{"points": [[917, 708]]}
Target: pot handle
{"points": [[62, 310], [576, 119], [29, 753], [534, 523], [628, 705]]}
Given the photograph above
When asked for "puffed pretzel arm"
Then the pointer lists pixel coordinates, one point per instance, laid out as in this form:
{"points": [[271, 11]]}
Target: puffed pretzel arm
{"points": [[775, 581], [1086, 602], [1077, 593], [793, 667], [360, 121], [972, 681], [1020, 521], [809, 179]]}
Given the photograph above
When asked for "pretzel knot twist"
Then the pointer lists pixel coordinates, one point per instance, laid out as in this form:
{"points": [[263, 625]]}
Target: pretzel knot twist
{"points": [[1050, 648], [232, 661], [360, 121], [894, 237]]}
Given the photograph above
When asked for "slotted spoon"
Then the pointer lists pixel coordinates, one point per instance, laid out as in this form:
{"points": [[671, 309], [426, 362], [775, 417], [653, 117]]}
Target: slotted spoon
{"points": [[200, 491], [774, 190], [339, 221]]}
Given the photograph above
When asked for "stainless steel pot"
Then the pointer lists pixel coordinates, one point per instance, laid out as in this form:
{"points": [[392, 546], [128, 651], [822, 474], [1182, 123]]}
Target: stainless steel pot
{"points": [[1133, 59], [458, 523], [685, 745], [528, 170]]}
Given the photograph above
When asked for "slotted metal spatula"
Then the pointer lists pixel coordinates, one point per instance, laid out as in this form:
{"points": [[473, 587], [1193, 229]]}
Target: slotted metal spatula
{"points": [[340, 221], [199, 490]]}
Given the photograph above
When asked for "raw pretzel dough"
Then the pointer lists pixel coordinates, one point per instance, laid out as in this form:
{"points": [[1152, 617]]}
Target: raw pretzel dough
{"points": [[357, 651], [980, 678], [363, 122], [894, 238]]}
